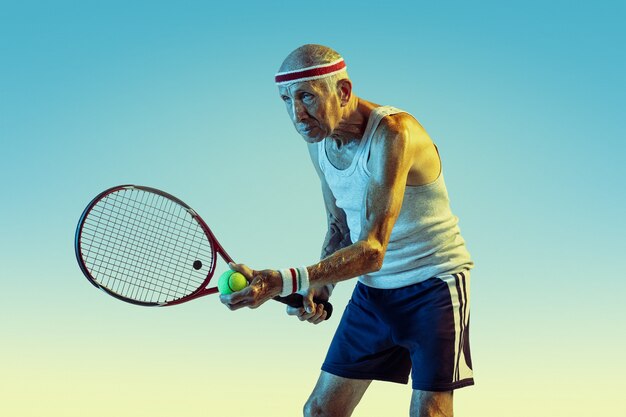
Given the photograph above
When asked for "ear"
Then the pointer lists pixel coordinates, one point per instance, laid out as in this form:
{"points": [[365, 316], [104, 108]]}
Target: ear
{"points": [[344, 88]]}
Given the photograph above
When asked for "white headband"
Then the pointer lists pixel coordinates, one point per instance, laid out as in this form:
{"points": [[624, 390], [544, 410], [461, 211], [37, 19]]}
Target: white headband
{"points": [[310, 73]]}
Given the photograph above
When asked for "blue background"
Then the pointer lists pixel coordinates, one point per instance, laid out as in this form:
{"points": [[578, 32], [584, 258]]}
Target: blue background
{"points": [[524, 99]]}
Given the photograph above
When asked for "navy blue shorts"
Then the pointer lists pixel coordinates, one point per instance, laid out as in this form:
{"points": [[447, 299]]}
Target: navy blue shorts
{"points": [[386, 333]]}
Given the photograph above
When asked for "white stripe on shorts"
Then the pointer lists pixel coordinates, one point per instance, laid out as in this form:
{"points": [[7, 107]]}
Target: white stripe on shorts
{"points": [[459, 287]]}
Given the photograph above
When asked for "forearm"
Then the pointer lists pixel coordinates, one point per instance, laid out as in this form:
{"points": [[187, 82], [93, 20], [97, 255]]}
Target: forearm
{"points": [[337, 237], [351, 261]]}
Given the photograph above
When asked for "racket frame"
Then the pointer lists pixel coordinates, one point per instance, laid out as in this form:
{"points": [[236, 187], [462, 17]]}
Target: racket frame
{"points": [[294, 300], [216, 248]]}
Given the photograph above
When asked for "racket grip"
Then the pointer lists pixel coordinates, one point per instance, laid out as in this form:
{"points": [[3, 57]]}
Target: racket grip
{"points": [[296, 300]]}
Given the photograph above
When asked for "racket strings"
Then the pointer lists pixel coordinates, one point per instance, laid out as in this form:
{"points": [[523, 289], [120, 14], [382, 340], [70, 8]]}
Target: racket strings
{"points": [[140, 237], [126, 266], [163, 242], [153, 251], [132, 260], [143, 246]]}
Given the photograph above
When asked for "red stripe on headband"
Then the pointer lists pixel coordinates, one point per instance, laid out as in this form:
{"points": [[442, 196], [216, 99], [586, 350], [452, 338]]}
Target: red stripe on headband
{"points": [[313, 72]]}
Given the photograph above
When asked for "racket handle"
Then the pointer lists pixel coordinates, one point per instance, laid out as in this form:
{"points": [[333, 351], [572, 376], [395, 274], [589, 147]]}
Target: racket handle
{"points": [[296, 300]]}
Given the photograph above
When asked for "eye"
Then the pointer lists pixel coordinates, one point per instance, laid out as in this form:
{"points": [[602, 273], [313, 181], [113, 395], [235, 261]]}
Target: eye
{"points": [[307, 97], [285, 98]]}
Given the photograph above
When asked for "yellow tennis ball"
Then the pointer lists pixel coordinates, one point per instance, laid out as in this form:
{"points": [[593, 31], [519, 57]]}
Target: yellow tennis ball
{"points": [[237, 282], [223, 283]]}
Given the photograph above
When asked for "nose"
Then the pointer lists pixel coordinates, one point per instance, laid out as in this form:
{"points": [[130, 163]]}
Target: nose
{"points": [[298, 111]]}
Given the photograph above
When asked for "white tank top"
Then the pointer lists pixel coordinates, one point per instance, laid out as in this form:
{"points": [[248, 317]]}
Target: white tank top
{"points": [[425, 241]]}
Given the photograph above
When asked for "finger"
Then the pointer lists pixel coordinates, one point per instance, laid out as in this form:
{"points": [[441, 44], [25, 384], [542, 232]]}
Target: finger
{"points": [[307, 316], [295, 311], [239, 299], [245, 270], [322, 318], [319, 311], [226, 300], [303, 315], [308, 304]]}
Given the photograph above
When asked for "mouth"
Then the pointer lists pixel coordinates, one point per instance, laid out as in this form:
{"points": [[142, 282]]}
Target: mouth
{"points": [[305, 129]]}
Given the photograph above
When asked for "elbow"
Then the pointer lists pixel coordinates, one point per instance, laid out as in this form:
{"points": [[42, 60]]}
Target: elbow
{"points": [[375, 255]]}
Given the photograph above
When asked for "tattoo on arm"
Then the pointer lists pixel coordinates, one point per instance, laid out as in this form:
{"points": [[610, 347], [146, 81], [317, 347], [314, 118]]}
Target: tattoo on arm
{"points": [[337, 237], [334, 241]]}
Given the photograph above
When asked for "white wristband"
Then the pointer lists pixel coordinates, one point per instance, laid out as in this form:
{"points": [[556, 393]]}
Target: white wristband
{"points": [[294, 280]]}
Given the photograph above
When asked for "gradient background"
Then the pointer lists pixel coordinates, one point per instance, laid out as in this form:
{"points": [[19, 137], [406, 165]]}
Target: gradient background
{"points": [[524, 99]]}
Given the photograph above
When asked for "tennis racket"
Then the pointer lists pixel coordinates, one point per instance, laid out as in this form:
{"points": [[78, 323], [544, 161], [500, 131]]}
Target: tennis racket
{"points": [[147, 247]]}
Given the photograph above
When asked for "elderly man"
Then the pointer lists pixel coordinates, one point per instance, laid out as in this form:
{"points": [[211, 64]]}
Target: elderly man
{"points": [[390, 225]]}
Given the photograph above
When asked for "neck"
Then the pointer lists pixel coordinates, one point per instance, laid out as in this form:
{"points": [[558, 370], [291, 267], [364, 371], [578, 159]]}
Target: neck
{"points": [[352, 124]]}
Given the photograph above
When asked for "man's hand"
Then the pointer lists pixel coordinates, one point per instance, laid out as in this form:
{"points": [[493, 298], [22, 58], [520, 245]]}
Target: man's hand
{"points": [[264, 285], [310, 311]]}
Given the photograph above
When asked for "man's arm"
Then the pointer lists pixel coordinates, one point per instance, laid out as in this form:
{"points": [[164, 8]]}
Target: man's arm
{"points": [[338, 233], [392, 153]]}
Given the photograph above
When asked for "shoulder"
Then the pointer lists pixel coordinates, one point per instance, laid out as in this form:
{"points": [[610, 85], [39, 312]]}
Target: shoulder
{"points": [[396, 132], [399, 123]]}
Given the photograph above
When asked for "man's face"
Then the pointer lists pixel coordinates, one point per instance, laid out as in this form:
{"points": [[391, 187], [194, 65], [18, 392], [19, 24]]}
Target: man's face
{"points": [[313, 109]]}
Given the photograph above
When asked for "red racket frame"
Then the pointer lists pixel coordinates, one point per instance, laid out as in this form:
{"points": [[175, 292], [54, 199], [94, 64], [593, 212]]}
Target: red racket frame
{"points": [[294, 300]]}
